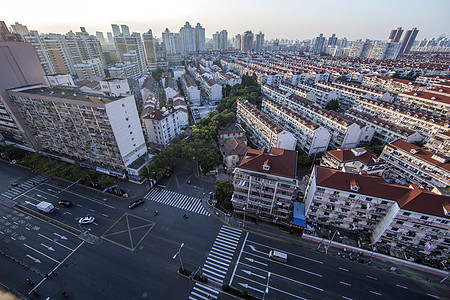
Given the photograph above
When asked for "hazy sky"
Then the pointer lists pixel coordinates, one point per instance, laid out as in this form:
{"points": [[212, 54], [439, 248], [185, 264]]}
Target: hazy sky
{"points": [[293, 19]]}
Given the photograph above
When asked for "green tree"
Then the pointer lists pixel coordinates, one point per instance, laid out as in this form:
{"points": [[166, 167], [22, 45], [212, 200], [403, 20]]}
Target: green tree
{"points": [[105, 182], [332, 105], [217, 63], [224, 189], [157, 74]]}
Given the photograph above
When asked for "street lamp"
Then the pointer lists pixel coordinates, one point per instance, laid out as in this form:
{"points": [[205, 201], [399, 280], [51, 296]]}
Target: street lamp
{"points": [[179, 255], [326, 249], [266, 291]]}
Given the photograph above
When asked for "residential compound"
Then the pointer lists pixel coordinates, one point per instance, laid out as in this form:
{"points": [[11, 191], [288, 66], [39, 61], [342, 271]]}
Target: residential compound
{"points": [[94, 129], [264, 131], [404, 219], [265, 185], [416, 165]]}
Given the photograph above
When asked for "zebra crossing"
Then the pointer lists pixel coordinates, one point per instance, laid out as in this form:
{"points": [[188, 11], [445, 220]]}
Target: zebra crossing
{"points": [[217, 262], [177, 200], [21, 188]]}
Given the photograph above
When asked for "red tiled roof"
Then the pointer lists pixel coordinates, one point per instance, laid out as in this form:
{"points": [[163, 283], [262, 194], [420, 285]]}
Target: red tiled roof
{"points": [[428, 96], [282, 162], [345, 155], [408, 198]]}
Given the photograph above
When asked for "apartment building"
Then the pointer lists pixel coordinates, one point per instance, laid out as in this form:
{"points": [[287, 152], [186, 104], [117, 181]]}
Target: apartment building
{"points": [[424, 123], [59, 79], [408, 163], [385, 131], [395, 217], [124, 70], [394, 85], [131, 44], [311, 137], [232, 145], [430, 80], [229, 78], [91, 128], [115, 87], [90, 68], [169, 87], [345, 132], [263, 130], [190, 89], [439, 143], [434, 103], [162, 125], [265, 185], [286, 89], [212, 89], [356, 160]]}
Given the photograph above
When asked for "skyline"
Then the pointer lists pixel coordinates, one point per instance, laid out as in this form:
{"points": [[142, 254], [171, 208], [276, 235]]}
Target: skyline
{"points": [[350, 22]]}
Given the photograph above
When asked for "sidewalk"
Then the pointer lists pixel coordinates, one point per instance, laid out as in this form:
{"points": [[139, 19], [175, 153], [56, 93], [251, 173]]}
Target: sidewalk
{"points": [[370, 258]]}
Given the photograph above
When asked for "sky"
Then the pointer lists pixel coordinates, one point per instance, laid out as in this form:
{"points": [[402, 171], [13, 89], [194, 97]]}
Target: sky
{"points": [[291, 19]]}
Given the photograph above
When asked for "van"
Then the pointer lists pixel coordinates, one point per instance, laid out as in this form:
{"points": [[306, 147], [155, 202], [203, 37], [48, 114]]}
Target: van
{"points": [[277, 255]]}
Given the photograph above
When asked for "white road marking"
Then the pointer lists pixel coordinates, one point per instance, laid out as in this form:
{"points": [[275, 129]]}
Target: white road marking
{"points": [[342, 269], [54, 241], [254, 249], [109, 206], [375, 293], [40, 196], [51, 258], [401, 286], [239, 257], [293, 254], [255, 261], [105, 215], [13, 238], [371, 277], [433, 296], [345, 283], [248, 272], [246, 286], [346, 298], [48, 247], [33, 258], [60, 236], [79, 205]]}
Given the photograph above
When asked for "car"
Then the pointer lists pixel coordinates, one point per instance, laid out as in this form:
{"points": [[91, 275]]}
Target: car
{"points": [[86, 220], [136, 203], [65, 203]]}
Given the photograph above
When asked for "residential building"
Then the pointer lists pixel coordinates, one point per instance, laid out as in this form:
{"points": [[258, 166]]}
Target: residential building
{"points": [[169, 88], [190, 89], [232, 145], [125, 30], [408, 40], [90, 128], [318, 44], [311, 137], [332, 40], [439, 143], [20, 66], [385, 131], [100, 37], [395, 35], [361, 48], [187, 35], [39, 47], [430, 80], [59, 79], [392, 84], [115, 87], [238, 42], [247, 41], [115, 30], [124, 70], [265, 185], [259, 42], [434, 103], [399, 219], [149, 48], [161, 125], [212, 89], [200, 41], [356, 160], [89, 69], [172, 41], [131, 46], [263, 130], [424, 123], [408, 163]]}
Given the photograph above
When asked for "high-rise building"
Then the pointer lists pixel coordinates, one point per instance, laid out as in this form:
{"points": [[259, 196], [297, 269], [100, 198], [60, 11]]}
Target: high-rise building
{"points": [[38, 44], [100, 37], [131, 44], [318, 44], [110, 38], [20, 29], [216, 40], [200, 41], [187, 35], [259, 42], [247, 41], [237, 41], [408, 40], [83, 46], [360, 48], [172, 42], [125, 30], [115, 29], [395, 35], [19, 67], [220, 40], [332, 40], [383, 50], [149, 47]]}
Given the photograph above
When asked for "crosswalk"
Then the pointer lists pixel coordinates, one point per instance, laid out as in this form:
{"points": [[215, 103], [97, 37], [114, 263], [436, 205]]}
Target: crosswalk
{"points": [[218, 262], [177, 200], [21, 188]]}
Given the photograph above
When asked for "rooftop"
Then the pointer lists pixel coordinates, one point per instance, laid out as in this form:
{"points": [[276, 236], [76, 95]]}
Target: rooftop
{"points": [[282, 162]]}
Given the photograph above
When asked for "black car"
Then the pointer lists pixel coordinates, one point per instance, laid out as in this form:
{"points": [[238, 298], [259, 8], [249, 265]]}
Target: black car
{"points": [[136, 203], [65, 203]]}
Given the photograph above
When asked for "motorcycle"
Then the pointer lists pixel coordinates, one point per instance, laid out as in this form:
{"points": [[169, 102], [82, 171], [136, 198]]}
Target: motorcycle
{"points": [[155, 212]]}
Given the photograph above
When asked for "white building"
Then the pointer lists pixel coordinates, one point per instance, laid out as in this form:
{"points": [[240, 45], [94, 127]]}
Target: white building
{"points": [[161, 125], [190, 90], [59, 79], [212, 89], [91, 68], [115, 87]]}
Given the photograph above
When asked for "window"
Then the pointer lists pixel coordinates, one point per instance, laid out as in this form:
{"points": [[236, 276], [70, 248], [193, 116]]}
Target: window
{"points": [[127, 119], [123, 105], [406, 214], [131, 132], [352, 196], [384, 202], [394, 228], [423, 218]]}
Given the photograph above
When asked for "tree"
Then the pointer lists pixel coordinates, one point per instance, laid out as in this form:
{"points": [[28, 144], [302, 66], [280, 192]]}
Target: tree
{"points": [[157, 74], [105, 182], [224, 189], [217, 63], [332, 105]]}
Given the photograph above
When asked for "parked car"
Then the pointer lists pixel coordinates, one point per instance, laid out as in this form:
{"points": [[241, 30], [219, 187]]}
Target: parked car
{"points": [[65, 203], [136, 203], [86, 220]]}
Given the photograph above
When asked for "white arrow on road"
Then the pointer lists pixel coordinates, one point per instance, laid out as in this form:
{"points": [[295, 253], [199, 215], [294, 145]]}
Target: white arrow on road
{"points": [[60, 236], [37, 195], [48, 247], [246, 286], [254, 249], [254, 274], [35, 259], [255, 261], [28, 202]]}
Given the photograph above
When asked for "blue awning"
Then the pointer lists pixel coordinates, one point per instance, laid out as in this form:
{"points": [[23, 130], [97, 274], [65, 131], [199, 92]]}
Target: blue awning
{"points": [[299, 215]]}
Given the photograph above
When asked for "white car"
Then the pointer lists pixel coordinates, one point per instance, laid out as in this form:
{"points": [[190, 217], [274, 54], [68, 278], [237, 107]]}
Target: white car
{"points": [[86, 220]]}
